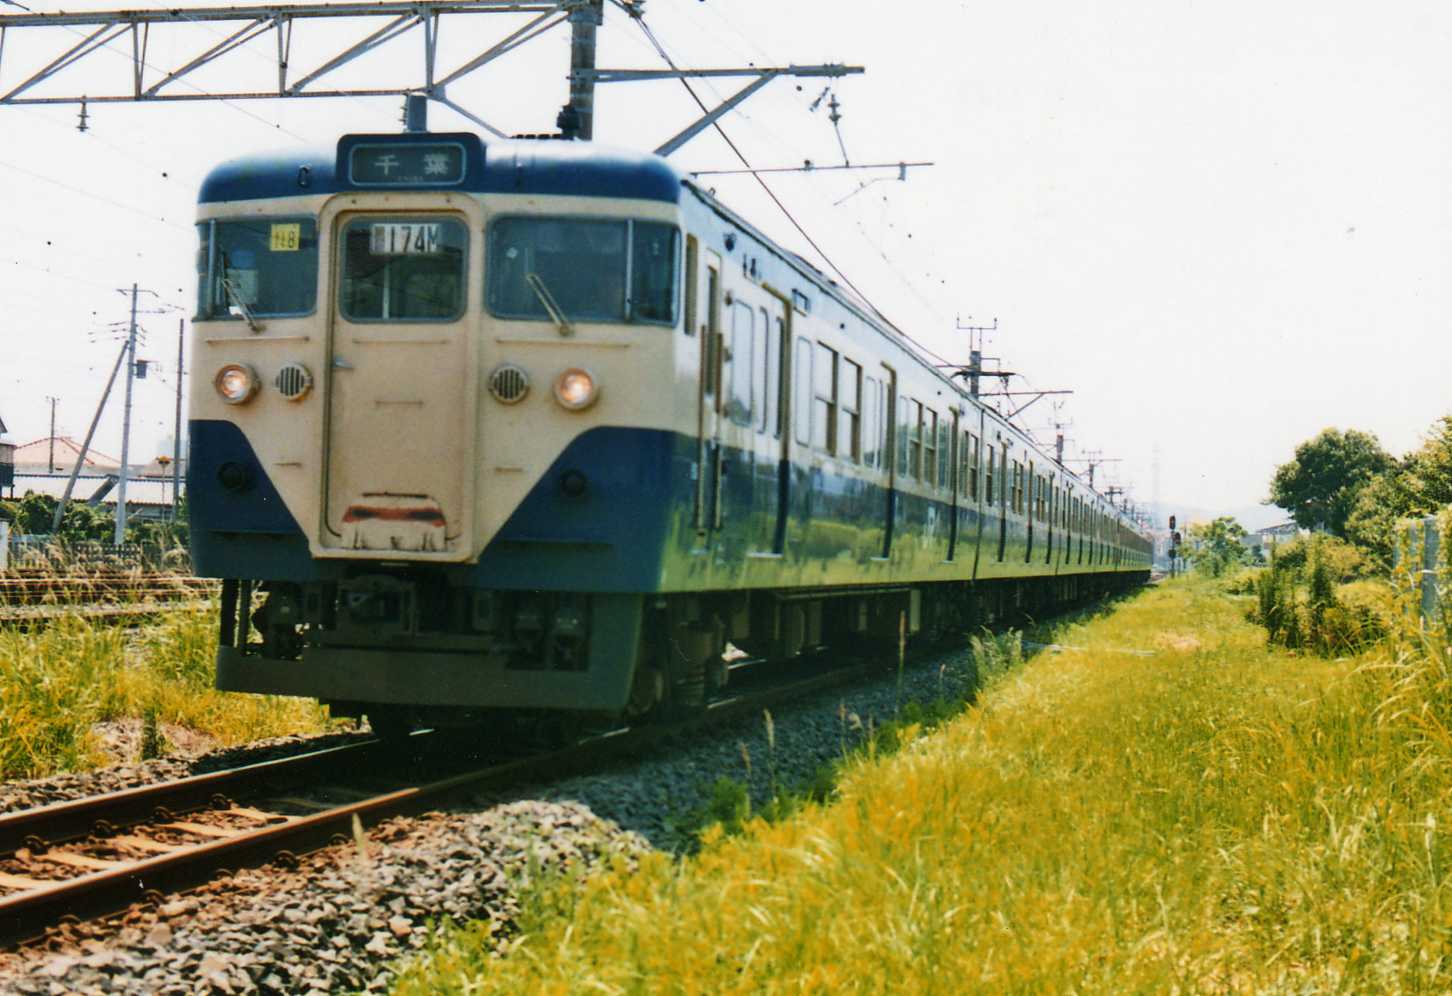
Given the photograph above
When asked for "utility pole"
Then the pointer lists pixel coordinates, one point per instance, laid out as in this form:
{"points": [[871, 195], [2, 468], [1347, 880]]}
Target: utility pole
{"points": [[60, 508], [126, 424], [577, 118], [181, 339], [50, 463]]}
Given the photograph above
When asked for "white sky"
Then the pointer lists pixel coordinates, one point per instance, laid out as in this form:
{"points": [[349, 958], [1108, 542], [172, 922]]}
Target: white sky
{"points": [[1225, 225]]}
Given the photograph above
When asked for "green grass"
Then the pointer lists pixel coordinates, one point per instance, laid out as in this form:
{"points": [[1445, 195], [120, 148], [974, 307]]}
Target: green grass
{"points": [[1213, 816], [57, 683]]}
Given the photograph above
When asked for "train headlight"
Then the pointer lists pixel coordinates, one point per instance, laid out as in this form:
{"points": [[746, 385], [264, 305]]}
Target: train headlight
{"points": [[576, 389], [237, 383]]}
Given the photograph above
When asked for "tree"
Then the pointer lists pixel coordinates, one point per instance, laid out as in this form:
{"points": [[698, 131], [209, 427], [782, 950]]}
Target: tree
{"points": [[1217, 545], [1320, 485], [1419, 484]]}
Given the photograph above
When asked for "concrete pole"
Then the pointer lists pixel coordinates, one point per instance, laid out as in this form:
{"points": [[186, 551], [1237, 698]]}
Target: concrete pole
{"points": [[181, 340], [126, 425]]}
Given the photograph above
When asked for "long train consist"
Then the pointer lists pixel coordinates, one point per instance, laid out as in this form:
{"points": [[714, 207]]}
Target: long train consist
{"points": [[543, 426]]}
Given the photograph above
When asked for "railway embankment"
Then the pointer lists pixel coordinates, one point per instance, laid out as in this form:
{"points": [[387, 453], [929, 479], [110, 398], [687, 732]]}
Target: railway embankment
{"points": [[1160, 800]]}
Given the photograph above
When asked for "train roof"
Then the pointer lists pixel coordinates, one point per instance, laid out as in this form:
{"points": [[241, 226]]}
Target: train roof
{"points": [[506, 167]]}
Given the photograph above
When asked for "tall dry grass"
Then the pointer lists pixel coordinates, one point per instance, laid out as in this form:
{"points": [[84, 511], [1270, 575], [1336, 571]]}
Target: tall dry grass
{"points": [[1213, 815], [57, 683]]}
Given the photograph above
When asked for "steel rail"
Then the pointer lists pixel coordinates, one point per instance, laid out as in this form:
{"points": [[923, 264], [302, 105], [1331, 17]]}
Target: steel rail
{"points": [[28, 915]]}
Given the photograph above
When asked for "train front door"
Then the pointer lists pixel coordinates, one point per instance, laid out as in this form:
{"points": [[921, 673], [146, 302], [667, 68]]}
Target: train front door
{"points": [[400, 384]]}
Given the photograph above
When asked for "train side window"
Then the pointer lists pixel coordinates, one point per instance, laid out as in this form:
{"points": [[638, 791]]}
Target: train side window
{"points": [[988, 475], [973, 466], [930, 446], [738, 364], [904, 436], [915, 439], [871, 412], [824, 405], [802, 393], [944, 454], [849, 410]]}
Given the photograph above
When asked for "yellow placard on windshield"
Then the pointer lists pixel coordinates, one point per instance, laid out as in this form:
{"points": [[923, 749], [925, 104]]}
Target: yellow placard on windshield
{"points": [[286, 238]]}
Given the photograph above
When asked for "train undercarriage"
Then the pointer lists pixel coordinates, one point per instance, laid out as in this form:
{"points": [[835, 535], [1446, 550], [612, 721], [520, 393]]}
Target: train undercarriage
{"points": [[408, 648]]}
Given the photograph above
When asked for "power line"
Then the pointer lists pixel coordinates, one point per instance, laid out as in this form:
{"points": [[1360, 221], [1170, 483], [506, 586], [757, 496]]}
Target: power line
{"points": [[772, 194]]}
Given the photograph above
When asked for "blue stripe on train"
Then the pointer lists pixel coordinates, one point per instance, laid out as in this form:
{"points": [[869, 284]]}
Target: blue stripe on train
{"points": [[633, 521]]}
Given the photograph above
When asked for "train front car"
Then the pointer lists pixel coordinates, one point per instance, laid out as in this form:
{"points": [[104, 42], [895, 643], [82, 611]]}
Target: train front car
{"points": [[430, 450]]}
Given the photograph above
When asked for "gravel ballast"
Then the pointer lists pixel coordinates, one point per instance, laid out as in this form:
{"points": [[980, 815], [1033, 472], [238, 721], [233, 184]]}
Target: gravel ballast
{"points": [[337, 921]]}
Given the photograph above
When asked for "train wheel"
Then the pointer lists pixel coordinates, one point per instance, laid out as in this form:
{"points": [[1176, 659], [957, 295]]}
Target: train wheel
{"points": [[391, 724]]}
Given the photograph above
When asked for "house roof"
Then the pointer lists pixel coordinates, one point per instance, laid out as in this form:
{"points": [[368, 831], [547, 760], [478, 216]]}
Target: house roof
{"points": [[36, 453], [138, 492]]}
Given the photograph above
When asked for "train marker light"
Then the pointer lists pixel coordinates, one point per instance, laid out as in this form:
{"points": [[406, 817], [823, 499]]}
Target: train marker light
{"points": [[575, 389], [237, 383]]}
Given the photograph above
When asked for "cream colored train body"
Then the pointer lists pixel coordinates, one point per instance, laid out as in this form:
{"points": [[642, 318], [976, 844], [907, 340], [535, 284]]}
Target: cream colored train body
{"points": [[543, 426]]}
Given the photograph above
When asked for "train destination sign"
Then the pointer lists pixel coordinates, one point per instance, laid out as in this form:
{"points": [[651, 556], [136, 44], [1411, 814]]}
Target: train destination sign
{"points": [[407, 165]]}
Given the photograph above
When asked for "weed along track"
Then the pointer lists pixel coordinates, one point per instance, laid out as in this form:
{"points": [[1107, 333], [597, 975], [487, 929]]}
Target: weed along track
{"points": [[92, 857], [30, 599]]}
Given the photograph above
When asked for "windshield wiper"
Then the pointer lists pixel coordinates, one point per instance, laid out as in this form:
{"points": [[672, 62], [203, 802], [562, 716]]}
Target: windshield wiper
{"points": [[537, 284], [241, 305]]}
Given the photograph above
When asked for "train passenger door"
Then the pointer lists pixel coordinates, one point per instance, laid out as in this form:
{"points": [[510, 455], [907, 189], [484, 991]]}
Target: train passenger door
{"points": [[708, 445], [894, 440], [401, 391], [776, 479], [953, 452]]}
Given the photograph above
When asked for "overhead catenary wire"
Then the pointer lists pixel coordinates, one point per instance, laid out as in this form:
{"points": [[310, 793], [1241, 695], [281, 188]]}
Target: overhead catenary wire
{"points": [[766, 187]]}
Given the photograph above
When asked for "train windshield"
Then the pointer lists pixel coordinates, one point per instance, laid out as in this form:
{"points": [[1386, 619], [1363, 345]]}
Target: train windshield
{"points": [[260, 267], [601, 271], [403, 269]]}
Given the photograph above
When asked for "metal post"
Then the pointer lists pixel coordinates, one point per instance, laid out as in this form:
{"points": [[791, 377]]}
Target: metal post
{"points": [[60, 507], [126, 424], [577, 119], [975, 367], [416, 112], [1431, 603], [181, 340]]}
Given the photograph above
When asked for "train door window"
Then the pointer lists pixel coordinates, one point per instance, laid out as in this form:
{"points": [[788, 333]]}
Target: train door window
{"points": [[713, 330], [871, 412], [824, 405], [988, 475], [905, 424], [884, 422], [1017, 488], [693, 290], [400, 268], [945, 464], [737, 364], [761, 374], [802, 392], [773, 376], [267, 267], [849, 410]]}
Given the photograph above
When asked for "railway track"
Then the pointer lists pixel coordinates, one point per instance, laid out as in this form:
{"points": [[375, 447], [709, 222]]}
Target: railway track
{"points": [[92, 857]]}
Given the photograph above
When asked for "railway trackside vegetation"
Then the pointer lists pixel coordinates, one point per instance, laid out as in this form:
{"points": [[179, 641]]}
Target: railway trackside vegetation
{"points": [[58, 683], [1167, 803]]}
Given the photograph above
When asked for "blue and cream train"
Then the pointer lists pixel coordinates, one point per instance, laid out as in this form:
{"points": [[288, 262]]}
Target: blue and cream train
{"points": [[539, 425]]}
